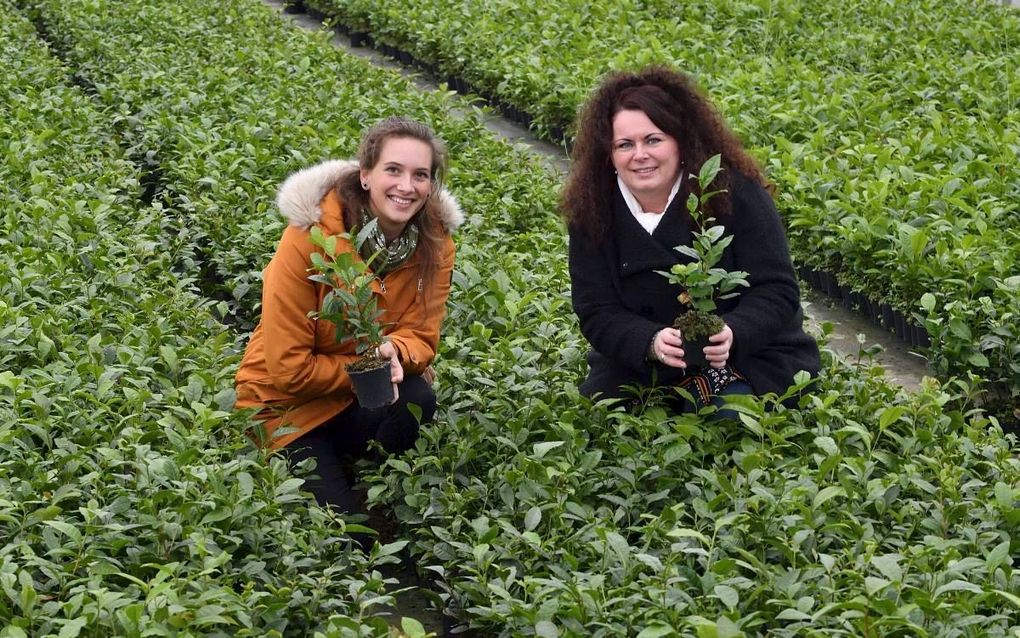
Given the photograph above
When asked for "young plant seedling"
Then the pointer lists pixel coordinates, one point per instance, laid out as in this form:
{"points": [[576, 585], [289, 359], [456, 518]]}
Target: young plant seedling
{"points": [[350, 304], [702, 283]]}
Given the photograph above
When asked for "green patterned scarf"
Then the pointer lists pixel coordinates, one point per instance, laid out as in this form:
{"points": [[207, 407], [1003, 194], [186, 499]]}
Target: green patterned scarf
{"points": [[387, 257]]}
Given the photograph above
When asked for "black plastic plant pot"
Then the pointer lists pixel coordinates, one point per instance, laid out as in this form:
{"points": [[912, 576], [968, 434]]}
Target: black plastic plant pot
{"points": [[694, 352], [923, 339], [888, 319], [373, 387]]}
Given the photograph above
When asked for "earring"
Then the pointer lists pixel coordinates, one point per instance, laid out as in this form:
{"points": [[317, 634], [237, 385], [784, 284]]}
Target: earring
{"points": [[364, 185]]}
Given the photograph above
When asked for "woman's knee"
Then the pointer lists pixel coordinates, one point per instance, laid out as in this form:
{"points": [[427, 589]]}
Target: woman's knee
{"points": [[400, 429], [416, 390]]}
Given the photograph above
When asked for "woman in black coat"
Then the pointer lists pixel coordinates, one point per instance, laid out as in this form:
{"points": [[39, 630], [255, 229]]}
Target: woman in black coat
{"points": [[641, 139]]}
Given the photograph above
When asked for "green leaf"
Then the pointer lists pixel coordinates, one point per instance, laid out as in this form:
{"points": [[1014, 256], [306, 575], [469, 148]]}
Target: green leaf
{"points": [[72, 628], [546, 629], [656, 631], [793, 614], [998, 556], [389, 549], [43, 514], [918, 243], [689, 533], [978, 360], [66, 529], [709, 170], [728, 595], [412, 628], [532, 518], [1003, 496], [415, 411], [707, 629], [726, 628], [225, 399], [827, 445], [874, 585], [9, 380], [1013, 598], [928, 302], [365, 233], [826, 494], [289, 486], [889, 566], [169, 355], [539, 450], [959, 329], [957, 585], [889, 415]]}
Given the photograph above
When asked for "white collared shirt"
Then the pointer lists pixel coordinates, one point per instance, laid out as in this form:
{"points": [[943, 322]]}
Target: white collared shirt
{"points": [[648, 220]]}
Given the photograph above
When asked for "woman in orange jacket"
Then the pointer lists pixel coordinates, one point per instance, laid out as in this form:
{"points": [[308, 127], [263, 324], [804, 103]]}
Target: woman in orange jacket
{"points": [[293, 368]]}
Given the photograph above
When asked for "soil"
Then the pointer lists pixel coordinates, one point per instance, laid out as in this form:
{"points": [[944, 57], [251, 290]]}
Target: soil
{"points": [[694, 324], [364, 364]]}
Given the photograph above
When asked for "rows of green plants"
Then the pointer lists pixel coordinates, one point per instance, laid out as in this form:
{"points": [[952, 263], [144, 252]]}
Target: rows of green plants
{"points": [[130, 503], [891, 129], [863, 512]]}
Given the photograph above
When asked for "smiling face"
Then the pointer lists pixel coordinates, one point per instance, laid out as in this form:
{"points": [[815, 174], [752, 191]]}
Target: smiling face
{"points": [[646, 159], [399, 183]]}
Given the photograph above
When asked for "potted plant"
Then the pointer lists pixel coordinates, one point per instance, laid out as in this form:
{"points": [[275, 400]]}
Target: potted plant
{"points": [[702, 283], [353, 308]]}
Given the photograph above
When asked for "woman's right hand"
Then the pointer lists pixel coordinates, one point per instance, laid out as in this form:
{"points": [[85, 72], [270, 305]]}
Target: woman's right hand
{"points": [[668, 348], [388, 351]]}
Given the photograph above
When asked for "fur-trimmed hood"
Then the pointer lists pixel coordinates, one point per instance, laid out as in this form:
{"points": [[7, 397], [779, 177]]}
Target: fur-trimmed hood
{"points": [[299, 195]]}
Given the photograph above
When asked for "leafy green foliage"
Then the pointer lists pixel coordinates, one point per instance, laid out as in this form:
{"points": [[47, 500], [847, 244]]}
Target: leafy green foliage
{"points": [[130, 502], [863, 512]]}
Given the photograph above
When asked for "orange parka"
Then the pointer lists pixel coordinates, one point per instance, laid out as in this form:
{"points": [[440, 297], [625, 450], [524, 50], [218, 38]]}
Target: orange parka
{"points": [[293, 368]]}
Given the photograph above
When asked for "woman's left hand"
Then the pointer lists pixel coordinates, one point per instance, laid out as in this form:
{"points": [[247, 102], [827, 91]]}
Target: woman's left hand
{"points": [[718, 353]]}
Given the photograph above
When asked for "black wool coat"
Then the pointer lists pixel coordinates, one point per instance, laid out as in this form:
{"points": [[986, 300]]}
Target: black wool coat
{"points": [[622, 301]]}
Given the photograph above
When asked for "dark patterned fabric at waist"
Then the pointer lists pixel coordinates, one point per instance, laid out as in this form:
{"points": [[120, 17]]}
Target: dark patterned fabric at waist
{"points": [[709, 382]]}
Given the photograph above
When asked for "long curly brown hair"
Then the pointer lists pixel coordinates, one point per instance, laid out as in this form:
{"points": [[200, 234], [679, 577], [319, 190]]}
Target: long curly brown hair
{"points": [[673, 102], [429, 218]]}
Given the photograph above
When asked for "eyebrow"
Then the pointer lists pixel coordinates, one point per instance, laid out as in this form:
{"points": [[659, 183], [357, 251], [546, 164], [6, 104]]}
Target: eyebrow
{"points": [[629, 139], [399, 165]]}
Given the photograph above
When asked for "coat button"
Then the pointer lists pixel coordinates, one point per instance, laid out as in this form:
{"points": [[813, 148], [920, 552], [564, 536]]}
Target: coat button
{"points": [[626, 263]]}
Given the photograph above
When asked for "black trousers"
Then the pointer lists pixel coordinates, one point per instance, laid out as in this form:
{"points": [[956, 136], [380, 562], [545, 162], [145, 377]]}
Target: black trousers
{"points": [[346, 436]]}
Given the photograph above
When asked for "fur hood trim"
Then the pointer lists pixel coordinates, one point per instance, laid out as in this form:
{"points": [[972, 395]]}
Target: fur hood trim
{"points": [[299, 196]]}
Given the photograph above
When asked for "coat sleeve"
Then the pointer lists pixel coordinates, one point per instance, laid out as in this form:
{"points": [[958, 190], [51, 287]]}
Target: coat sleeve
{"points": [[294, 365], [416, 337], [769, 304], [612, 329]]}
